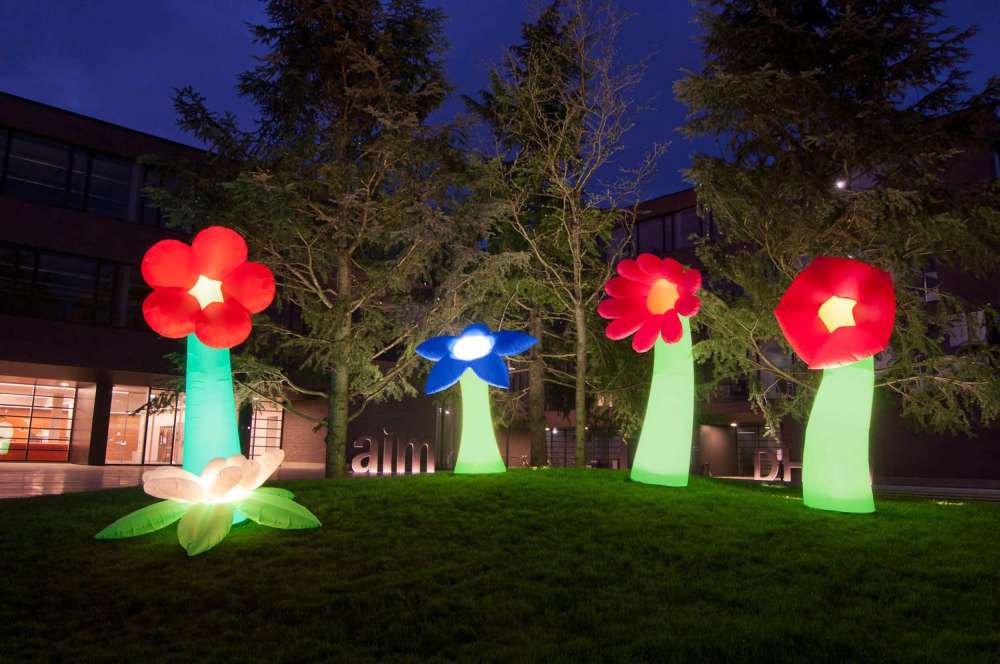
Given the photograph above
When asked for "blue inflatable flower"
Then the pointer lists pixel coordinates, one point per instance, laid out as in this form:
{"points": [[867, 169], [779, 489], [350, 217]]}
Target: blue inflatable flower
{"points": [[475, 348]]}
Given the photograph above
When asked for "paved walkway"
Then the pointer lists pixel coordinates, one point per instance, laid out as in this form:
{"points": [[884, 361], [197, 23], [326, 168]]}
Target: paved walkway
{"points": [[20, 480]]}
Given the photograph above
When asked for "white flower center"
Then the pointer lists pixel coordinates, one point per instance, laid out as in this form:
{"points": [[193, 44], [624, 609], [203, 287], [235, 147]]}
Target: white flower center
{"points": [[472, 347], [206, 291]]}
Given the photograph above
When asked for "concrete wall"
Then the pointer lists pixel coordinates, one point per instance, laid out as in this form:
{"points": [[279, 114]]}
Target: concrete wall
{"points": [[716, 449]]}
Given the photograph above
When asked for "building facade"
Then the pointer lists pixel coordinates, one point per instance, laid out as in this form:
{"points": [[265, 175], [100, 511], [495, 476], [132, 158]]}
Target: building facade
{"points": [[82, 378]]}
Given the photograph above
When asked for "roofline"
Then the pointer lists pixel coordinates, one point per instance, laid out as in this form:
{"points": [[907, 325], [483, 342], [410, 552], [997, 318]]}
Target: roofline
{"points": [[91, 118]]}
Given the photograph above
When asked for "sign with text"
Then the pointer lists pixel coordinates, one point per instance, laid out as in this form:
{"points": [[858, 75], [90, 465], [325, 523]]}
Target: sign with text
{"points": [[391, 456]]}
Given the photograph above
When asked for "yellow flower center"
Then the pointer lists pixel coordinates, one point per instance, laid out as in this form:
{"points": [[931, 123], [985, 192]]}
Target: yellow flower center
{"points": [[206, 291], [662, 296], [837, 312]]}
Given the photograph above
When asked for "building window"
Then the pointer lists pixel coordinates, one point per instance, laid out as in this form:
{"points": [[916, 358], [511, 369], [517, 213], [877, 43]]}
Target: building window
{"points": [[689, 228], [265, 427], [149, 214], [41, 169], [36, 419], [109, 186], [146, 426], [37, 169], [655, 236], [64, 287]]}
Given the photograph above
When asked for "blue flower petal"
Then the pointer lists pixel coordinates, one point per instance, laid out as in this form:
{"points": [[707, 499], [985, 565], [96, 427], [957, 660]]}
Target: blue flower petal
{"points": [[476, 328], [512, 343], [492, 369], [445, 374], [435, 348]]}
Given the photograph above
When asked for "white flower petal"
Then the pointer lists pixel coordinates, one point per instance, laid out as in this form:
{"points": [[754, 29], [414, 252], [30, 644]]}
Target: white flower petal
{"points": [[225, 481], [268, 464], [168, 471], [211, 470], [251, 471], [236, 460], [175, 488]]}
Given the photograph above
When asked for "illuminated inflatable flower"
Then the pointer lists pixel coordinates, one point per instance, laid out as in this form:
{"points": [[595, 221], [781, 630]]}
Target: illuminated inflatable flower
{"points": [[208, 288], [475, 348], [648, 300], [837, 314], [837, 311], [207, 505], [653, 299], [474, 359]]}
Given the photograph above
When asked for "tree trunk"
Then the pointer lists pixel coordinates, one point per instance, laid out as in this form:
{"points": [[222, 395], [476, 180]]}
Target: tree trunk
{"points": [[581, 387], [336, 429], [536, 394]]}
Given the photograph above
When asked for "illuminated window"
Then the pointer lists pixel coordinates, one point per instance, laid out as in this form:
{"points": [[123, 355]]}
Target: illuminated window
{"points": [[36, 419], [146, 426], [265, 427]]}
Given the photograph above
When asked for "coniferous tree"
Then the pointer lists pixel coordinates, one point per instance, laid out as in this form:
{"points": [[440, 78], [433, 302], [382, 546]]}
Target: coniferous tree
{"points": [[343, 190], [837, 121]]}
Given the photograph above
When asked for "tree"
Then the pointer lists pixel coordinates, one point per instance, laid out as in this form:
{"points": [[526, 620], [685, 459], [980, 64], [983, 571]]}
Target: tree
{"points": [[836, 122], [357, 206], [559, 107]]}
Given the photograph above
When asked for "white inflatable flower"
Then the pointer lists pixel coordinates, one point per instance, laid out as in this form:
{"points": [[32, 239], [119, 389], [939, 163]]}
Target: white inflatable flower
{"points": [[224, 480], [228, 489]]}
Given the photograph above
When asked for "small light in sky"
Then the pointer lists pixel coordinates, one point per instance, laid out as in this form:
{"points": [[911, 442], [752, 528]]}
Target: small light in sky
{"points": [[841, 184]]}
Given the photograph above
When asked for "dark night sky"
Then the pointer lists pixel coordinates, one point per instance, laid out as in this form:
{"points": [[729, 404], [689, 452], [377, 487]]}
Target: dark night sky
{"points": [[118, 60]]}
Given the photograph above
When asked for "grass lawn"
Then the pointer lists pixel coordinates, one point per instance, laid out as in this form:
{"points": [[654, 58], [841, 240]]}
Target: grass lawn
{"points": [[554, 565]]}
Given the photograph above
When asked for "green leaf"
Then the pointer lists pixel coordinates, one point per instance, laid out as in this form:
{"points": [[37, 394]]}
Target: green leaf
{"points": [[275, 511], [284, 493], [148, 519], [204, 526]]}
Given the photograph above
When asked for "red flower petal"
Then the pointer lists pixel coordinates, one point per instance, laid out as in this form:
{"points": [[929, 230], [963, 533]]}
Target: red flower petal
{"points": [[618, 307], [218, 251], [650, 264], [223, 325], [688, 305], [690, 281], [250, 284], [671, 329], [171, 312], [646, 336], [672, 270], [623, 327], [629, 269], [625, 288], [169, 264], [874, 312]]}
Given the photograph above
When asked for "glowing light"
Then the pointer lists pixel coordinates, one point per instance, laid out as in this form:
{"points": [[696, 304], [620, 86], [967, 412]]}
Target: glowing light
{"points": [[840, 184], [208, 505], [478, 451], [835, 472], [653, 299], [662, 297], [206, 291], [210, 428], [837, 312], [733, 424], [474, 360], [472, 346], [663, 455]]}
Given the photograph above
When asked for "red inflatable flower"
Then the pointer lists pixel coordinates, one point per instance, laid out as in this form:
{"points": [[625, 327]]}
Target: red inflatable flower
{"points": [[837, 311], [207, 288], [647, 299]]}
